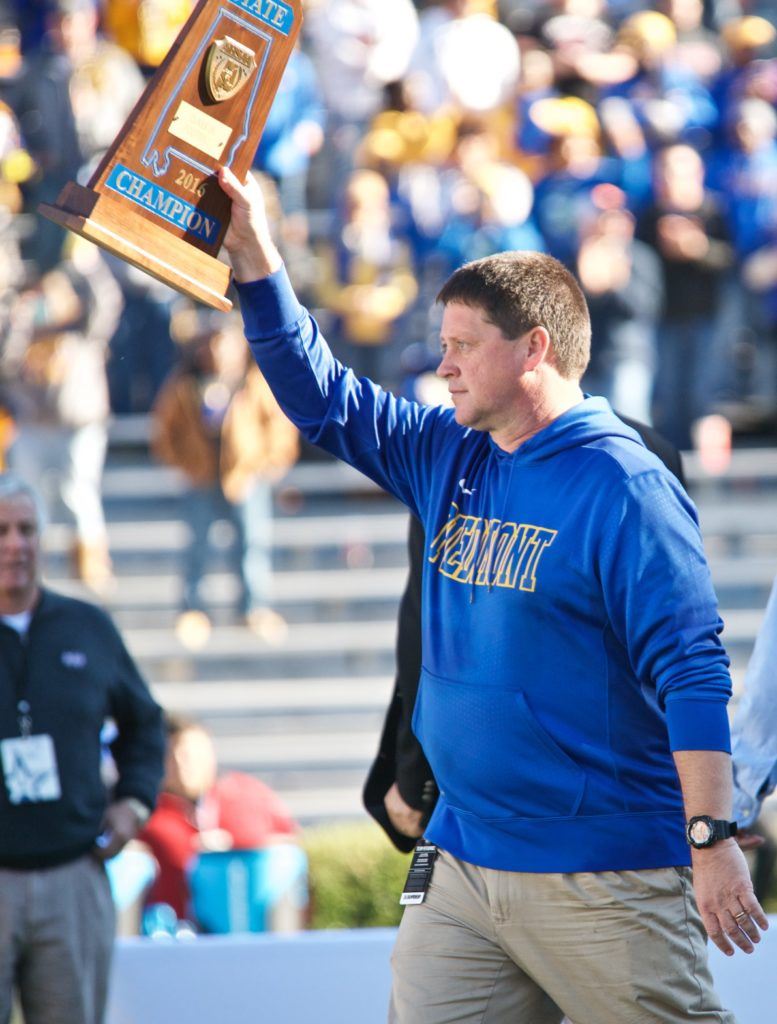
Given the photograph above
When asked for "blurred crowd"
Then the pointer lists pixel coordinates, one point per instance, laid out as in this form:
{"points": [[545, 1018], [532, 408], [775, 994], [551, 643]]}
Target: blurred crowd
{"points": [[635, 142]]}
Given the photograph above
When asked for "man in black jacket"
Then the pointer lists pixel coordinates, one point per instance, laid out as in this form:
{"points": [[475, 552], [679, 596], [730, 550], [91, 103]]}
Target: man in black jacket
{"points": [[63, 671], [400, 791]]}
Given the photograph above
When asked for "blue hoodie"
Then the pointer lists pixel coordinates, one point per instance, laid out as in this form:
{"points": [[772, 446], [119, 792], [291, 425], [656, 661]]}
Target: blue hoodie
{"points": [[570, 630]]}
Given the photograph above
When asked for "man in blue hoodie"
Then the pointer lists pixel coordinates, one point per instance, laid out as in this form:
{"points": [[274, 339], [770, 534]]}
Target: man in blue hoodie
{"points": [[572, 701]]}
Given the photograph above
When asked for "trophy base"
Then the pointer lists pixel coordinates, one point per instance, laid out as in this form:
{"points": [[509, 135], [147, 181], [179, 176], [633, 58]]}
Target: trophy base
{"points": [[113, 226]]}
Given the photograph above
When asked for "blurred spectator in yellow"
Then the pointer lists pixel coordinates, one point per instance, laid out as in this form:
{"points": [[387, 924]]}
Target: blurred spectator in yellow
{"points": [[105, 82], [16, 166], [366, 278], [575, 164], [146, 28]]}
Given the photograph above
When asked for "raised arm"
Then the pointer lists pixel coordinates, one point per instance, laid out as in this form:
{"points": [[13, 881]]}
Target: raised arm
{"points": [[251, 249]]}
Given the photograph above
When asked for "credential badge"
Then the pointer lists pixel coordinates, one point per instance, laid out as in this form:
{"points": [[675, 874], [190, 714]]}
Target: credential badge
{"points": [[228, 67]]}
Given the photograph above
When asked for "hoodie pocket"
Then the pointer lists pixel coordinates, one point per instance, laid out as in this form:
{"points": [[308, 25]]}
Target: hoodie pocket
{"points": [[490, 755]]}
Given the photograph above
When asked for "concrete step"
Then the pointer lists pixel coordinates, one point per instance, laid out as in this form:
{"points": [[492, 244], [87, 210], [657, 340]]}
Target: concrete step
{"points": [[309, 638], [268, 697], [301, 596], [309, 531], [139, 477], [342, 748], [317, 806]]}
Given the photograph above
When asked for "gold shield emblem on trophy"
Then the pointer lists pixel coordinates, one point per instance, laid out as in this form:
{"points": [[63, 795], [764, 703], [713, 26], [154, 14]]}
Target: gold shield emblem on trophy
{"points": [[228, 67]]}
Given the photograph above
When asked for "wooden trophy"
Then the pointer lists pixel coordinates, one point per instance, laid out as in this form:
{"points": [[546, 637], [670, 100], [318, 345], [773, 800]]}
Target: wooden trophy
{"points": [[154, 199]]}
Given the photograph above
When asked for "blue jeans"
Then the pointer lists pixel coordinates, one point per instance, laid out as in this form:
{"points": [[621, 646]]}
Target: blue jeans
{"points": [[249, 556]]}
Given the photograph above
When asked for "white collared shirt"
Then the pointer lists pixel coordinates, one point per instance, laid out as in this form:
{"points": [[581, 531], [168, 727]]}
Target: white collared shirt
{"points": [[20, 622]]}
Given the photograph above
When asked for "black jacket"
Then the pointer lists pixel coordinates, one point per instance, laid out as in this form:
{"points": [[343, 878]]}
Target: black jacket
{"points": [[400, 757], [75, 672]]}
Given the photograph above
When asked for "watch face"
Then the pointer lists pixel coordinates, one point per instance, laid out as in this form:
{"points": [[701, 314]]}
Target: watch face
{"points": [[700, 832]]}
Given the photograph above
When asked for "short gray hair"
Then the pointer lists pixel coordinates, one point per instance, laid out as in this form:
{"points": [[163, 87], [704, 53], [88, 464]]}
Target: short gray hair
{"points": [[12, 486]]}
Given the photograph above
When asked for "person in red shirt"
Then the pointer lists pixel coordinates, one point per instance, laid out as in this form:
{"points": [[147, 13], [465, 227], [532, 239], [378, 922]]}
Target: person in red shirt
{"points": [[199, 811]]}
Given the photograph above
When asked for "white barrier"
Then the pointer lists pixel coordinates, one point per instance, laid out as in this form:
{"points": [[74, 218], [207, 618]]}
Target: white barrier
{"points": [[306, 978], [328, 978]]}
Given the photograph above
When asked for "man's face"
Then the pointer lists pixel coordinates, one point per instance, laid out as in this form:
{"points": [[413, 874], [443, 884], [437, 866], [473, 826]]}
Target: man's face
{"points": [[19, 554], [482, 369]]}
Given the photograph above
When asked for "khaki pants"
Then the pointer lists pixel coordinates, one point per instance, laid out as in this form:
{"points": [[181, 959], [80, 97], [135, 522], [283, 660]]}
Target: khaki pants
{"points": [[502, 947], [56, 939]]}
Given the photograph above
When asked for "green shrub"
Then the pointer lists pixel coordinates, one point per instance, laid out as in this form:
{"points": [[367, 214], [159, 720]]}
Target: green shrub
{"points": [[356, 876]]}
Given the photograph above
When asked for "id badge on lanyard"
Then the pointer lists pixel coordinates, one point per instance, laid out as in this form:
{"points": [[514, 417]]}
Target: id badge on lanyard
{"points": [[419, 875], [30, 769], [29, 762]]}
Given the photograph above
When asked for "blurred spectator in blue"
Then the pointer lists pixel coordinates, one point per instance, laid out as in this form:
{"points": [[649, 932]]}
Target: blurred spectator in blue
{"points": [[759, 278], [670, 99], [746, 175], [461, 198], [687, 230], [629, 154], [621, 279], [698, 47], [506, 222], [744, 73], [537, 82], [30, 17], [427, 179], [745, 172], [492, 213], [141, 350], [576, 164], [292, 135], [366, 278]]}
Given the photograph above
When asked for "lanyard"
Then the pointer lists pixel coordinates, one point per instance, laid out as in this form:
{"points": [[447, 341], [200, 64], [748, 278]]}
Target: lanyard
{"points": [[23, 709]]}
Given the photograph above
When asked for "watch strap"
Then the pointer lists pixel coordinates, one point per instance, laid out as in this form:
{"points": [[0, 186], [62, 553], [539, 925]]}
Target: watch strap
{"points": [[722, 829]]}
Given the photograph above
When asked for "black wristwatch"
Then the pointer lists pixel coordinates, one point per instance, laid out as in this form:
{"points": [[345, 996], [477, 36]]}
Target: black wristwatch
{"points": [[702, 830]]}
